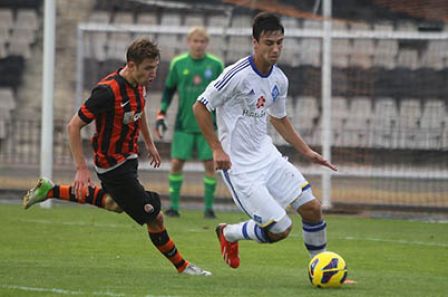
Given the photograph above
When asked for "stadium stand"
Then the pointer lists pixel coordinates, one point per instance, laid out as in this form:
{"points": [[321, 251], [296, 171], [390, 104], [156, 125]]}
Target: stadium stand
{"points": [[365, 69]]}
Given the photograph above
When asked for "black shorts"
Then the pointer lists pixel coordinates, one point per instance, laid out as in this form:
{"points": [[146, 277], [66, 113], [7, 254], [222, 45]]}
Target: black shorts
{"points": [[123, 186]]}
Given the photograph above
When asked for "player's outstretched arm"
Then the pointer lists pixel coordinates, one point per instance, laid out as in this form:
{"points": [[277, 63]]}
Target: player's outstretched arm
{"points": [[82, 178], [287, 131], [204, 119], [167, 97], [153, 154]]}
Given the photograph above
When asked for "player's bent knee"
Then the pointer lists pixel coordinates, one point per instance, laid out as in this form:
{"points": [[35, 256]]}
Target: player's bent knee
{"points": [[111, 205], [280, 230], [152, 207], [274, 237], [311, 211]]}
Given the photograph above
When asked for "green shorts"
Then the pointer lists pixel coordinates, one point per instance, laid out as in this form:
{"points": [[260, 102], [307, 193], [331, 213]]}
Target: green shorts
{"points": [[185, 143]]}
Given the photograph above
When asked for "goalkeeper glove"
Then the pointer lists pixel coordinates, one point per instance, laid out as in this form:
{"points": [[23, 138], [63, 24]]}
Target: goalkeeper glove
{"points": [[160, 124]]}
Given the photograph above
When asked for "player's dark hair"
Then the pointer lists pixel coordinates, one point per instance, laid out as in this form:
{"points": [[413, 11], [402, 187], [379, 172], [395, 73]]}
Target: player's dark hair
{"points": [[141, 49], [265, 22]]}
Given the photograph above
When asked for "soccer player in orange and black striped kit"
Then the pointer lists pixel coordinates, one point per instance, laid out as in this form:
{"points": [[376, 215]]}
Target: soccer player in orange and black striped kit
{"points": [[117, 104]]}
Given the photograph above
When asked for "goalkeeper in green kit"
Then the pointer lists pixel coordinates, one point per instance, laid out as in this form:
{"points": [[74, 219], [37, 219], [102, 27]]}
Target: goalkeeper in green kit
{"points": [[189, 75]]}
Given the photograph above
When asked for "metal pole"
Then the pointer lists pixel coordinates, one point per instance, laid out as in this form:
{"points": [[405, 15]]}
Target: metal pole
{"points": [[326, 103], [79, 67], [46, 151]]}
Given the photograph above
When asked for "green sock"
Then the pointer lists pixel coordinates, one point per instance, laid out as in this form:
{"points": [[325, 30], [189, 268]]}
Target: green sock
{"points": [[209, 191], [175, 181]]}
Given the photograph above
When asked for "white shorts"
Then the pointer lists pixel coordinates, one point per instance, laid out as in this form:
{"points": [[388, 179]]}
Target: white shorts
{"points": [[265, 194]]}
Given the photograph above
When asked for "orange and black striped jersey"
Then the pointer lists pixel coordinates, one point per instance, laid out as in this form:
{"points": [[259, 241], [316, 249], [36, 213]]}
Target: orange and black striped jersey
{"points": [[116, 107]]}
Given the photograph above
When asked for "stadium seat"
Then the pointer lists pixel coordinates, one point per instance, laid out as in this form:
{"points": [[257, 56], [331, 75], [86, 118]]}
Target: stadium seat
{"points": [[357, 126], [169, 46], [339, 114], [23, 34], [3, 132], [21, 48], [434, 114], [291, 48], [218, 21], [406, 26], [6, 18], [217, 46], [169, 43], [410, 113], [241, 46], [435, 54], [91, 72], [303, 121], [3, 51], [339, 25], [146, 19], [385, 123], [7, 100], [311, 51], [360, 26], [5, 114], [362, 52], [95, 45], [194, 20], [307, 112], [290, 23], [123, 18], [408, 59], [340, 52], [100, 17], [117, 45], [339, 107], [408, 123], [170, 19], [312, 24], [4, 34], [241, 21], [385, 53], [27, 18], [383, 26]]}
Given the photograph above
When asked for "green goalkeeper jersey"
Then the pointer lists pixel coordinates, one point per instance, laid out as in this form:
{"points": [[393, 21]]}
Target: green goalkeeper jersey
{"points": [[189, 77]]}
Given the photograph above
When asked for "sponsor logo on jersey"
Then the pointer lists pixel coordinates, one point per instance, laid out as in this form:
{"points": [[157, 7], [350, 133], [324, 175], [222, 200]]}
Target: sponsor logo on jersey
{"points": [[208, 73], [197, 80], [131, 116], [275, 92], [253, 114]]}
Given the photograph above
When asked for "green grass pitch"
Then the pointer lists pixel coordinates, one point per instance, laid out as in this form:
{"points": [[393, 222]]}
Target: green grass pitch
{"points": [[74, 250]]}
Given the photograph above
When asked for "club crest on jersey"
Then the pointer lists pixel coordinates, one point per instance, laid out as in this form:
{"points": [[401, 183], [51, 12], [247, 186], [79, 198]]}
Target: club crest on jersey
{"points": [[131, 116], [275, 92], [260, 102]]}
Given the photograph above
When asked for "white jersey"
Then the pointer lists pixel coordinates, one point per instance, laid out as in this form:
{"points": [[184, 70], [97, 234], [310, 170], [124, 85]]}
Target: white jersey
{"points": [[243, 98]]}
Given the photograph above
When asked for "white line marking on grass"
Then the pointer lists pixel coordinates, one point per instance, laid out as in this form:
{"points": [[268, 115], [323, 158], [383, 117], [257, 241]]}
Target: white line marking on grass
{"points": [[61, 291], [161, 296], [82, 224], [396, 241], [400, 241]]}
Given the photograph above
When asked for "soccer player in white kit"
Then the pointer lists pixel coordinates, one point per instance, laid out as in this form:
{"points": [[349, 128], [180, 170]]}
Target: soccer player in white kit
{"points": [[262, 182]]}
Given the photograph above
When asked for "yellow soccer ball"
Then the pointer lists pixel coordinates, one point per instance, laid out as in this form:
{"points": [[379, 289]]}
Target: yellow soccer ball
{"points": [[327, 270]]}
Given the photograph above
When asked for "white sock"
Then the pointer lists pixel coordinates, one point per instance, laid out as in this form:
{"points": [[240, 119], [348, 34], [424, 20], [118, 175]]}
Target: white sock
{"points": [[248, 230], [315, 237]]}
